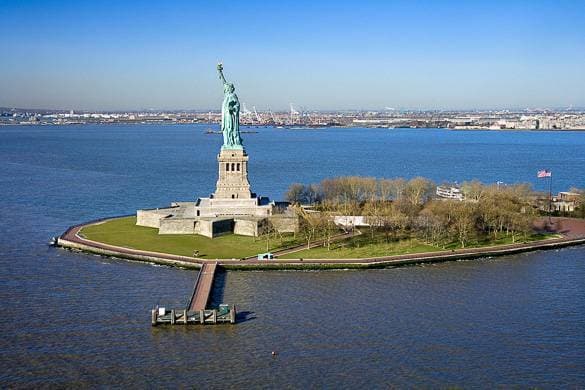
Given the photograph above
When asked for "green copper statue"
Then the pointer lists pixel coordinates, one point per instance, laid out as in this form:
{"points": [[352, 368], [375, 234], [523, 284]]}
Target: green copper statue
{"points": [[230, 115]]}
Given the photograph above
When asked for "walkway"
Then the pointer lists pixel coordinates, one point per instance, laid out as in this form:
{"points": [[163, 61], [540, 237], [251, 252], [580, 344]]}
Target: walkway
{"points": [[203, 286]]}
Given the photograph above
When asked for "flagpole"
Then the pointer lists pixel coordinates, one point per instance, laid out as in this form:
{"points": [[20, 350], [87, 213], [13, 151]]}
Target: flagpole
{"points": [[549, 196]]}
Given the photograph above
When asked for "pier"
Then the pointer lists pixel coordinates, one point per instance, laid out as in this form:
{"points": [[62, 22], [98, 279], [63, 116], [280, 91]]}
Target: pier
{"points": [[202, 289], [197, 312]]}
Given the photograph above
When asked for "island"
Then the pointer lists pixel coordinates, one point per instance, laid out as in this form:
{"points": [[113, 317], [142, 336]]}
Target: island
{"points": [[343, 222], [338, 223]]}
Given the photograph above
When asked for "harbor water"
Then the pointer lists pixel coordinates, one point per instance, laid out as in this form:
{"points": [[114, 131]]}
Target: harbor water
{"points": [[72, 319]]}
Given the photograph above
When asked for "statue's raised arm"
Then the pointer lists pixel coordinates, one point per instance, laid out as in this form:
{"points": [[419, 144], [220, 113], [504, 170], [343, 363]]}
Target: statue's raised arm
{"points": [[220, 71]]}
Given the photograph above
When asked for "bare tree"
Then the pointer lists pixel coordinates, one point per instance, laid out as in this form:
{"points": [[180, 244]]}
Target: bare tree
{"points": [[473, 190], [464, 221], [310, 224], [295, 193], [419, 190]]}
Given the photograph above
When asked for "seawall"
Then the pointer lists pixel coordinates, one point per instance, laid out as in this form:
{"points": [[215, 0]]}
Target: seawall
{"points": [[71, 240]]}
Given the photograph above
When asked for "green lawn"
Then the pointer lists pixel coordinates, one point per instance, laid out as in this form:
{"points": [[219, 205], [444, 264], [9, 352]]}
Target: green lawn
{"points": [[124, 232], [361, 246], [364, 246], [504, 239]]}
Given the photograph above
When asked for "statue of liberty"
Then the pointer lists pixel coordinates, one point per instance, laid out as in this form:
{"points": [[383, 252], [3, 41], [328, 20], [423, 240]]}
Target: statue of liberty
{"points": [[230, 114]]}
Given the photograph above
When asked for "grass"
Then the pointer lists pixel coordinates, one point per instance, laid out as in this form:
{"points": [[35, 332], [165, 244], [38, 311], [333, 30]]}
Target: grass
{"points": [[503, 239], [365, 246], [362, 246], [124, 232]]}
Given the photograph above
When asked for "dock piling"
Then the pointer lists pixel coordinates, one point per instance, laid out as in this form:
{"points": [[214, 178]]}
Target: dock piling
{"points": [[233, 315]]}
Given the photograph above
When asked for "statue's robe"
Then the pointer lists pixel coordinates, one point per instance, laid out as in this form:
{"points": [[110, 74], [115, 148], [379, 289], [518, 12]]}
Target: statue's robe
{"points": [[230, 122]]}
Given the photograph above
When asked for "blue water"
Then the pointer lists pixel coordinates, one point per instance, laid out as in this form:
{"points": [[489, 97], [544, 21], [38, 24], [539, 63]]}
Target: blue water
{"points": [[78, 320]]}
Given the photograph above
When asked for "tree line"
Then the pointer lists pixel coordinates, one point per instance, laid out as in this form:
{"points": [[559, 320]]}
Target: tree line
{"points": [[399, 208]]}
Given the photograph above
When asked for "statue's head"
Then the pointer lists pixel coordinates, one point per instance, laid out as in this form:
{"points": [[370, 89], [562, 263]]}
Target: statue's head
{"points": [[229, 87]]}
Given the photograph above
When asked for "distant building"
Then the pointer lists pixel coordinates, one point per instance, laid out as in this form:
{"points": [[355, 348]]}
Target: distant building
{"points": [[563, 202], [449, 193], [351, 221], [568, 196]]}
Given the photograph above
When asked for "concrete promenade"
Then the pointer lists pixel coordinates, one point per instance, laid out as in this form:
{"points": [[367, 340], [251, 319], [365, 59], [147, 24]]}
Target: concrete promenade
{"points": [[572, 231]]}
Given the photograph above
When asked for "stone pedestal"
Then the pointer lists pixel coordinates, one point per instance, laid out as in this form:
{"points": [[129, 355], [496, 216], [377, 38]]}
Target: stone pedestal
{"points": [[233, 175], [231, 209]]}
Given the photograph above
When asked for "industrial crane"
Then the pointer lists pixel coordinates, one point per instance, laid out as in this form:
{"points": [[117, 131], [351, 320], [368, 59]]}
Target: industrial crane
{"points": [[256, 113]]}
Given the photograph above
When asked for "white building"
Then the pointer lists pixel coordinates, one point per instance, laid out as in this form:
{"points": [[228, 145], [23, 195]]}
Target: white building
{"points": [[449, 193]]}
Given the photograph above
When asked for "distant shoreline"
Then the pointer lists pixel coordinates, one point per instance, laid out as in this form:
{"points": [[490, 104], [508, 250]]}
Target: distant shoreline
{"points": [[285, 127]]}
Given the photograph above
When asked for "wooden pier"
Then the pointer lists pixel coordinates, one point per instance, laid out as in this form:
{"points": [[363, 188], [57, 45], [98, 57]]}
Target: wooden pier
{"points": [[196, 312]]}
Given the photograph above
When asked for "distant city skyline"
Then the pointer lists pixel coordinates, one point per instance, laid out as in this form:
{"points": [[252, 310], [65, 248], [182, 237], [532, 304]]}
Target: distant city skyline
{"points": [[321, 56]]}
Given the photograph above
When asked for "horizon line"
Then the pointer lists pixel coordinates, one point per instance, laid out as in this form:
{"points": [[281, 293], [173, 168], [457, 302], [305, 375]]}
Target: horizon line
{"points": [[305, 109]]}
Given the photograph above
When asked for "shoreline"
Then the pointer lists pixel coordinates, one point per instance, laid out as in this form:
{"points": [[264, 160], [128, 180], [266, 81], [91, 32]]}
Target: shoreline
{"points": [[347, 126], [71, 240]]}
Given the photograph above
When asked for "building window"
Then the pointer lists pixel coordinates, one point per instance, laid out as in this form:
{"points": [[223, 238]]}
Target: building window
{"points": [[227, 166], [238, 167], [198, 212], [233, 196], [233, 166]]}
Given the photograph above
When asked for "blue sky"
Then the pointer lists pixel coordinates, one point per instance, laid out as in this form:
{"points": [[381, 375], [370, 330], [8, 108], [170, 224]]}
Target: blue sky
{"points": [[319, 55]]}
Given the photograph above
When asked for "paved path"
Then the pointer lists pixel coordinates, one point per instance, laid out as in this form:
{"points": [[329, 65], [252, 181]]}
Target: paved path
{"points": [[568, 227], [573, 231]]}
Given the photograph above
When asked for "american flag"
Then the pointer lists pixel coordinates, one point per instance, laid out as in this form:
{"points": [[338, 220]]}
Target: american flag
{"points": [[544, 173]]}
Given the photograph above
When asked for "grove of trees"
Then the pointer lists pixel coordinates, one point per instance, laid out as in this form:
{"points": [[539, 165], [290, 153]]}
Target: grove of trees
{"points": [[397, 208]]}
